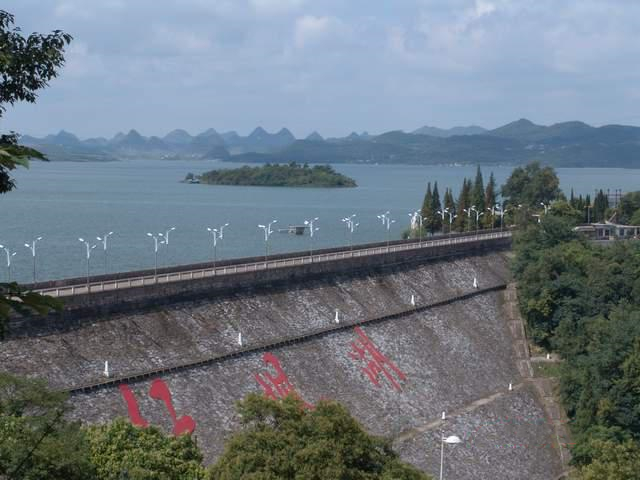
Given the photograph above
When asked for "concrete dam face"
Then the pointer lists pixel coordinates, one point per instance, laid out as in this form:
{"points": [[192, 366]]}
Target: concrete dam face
{"points": [[410, 342]]}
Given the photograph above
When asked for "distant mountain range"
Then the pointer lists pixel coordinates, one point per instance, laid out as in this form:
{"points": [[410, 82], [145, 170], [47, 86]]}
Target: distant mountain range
{"points": [[567, 144]]}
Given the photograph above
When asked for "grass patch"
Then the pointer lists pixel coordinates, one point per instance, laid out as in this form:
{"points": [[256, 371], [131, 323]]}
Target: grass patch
{"points": [[546, 369]]}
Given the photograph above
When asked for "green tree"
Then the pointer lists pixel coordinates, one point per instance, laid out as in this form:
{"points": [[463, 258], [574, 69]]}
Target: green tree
{"points": [[427, 211], [36, 441], [121, 450], [27, 64], [478, 193], [614, 461], [436, 225], [464, 202], [490, 200], [283, 440], [531, 185]]}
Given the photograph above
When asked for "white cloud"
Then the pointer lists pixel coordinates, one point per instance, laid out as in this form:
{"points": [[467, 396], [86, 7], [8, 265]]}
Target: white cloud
{"points": [[310, 29], [274, 7]]}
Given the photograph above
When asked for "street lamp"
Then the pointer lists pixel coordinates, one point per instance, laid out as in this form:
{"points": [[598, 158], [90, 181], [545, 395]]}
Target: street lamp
{"points": [[385, 218], [451, 217], [351, 225], [451, 440], [478, 215], [267, 233], [215, 235], [501, 212], [89, 248], [545, 206], [468, 212], [221, 233], [165, 237], [10, 255], [442, 213], [312, 229], [103, 239], [155, 251], [32, 247]]}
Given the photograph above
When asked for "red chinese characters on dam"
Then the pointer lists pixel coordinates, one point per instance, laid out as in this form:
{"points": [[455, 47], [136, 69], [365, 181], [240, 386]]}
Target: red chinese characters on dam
{"points": [[158, 391], [363, 349], [277, 386]]}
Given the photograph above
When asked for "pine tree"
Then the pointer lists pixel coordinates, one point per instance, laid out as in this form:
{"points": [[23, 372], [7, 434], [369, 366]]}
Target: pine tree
{"points": [[490, 201], [477, 196], [427, 208], [572, 199], [436, 225], [463, 203]]}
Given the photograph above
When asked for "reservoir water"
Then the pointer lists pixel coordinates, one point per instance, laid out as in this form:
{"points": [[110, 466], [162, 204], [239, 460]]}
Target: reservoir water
{"points": [[62, 201]]}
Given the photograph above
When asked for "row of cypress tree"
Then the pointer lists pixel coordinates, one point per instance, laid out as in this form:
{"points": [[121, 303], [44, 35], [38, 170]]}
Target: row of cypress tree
{"points": [[472, 194]]}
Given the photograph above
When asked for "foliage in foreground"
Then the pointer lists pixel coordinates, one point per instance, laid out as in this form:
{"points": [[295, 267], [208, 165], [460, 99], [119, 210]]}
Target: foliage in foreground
{"points": [[27, 64], [121, 450], [36, 441], [283, 440]]}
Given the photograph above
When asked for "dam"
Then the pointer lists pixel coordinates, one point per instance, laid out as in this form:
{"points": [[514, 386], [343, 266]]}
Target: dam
{"points": [[415, 342]]}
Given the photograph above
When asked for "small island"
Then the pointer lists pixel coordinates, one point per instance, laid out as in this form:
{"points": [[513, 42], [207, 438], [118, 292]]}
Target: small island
{"points": [[274, 175]]}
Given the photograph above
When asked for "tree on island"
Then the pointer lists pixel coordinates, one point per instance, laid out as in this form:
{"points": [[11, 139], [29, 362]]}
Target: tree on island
{"points": [[284, 440]]}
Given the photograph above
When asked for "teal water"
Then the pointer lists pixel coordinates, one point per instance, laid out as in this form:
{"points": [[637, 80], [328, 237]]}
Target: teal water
{"points": [[63, 201]]}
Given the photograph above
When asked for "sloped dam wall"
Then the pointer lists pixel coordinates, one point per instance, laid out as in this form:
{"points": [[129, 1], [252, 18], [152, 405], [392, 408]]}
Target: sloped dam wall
{"points": [[396, 364]]}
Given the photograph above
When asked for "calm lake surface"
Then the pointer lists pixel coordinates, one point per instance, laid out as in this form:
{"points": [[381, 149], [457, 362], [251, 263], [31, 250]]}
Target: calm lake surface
{"points": [[63, 201]]}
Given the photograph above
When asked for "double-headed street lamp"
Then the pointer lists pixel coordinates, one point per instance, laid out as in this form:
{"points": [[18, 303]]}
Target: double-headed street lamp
{"points": [[10, 255], [156, 243], [267, 233], [351, 225], [385, 218], [451, 217], [103, 240], [165, 238], [32, 246], [546, 207], [312, 230], [216, 234], [89, 248], [416, 222], [501, 211], [478, 215], [221, 233], [451, 440]]}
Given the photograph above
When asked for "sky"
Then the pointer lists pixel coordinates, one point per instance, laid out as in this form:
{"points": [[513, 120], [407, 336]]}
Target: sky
{"points": [[334, 66]]}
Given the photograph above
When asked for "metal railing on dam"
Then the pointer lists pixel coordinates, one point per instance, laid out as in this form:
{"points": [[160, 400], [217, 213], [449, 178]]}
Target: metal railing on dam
{"points": [[269, 264]]}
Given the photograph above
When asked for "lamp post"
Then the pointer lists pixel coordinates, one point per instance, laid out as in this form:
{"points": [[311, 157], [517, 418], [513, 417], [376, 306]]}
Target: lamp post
{"points": [[32, 247], [451, 217], [267, 233], [351, 225], [312, 229], [103, 239], [468, 212], [385, 218], [165, 238], [221, 234], [501, 212], [10, 255], [442, 213], [451, 440], [417, 221], [155, 251], [89, 248], [478, 215], [215, 236], [546, 207]]}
